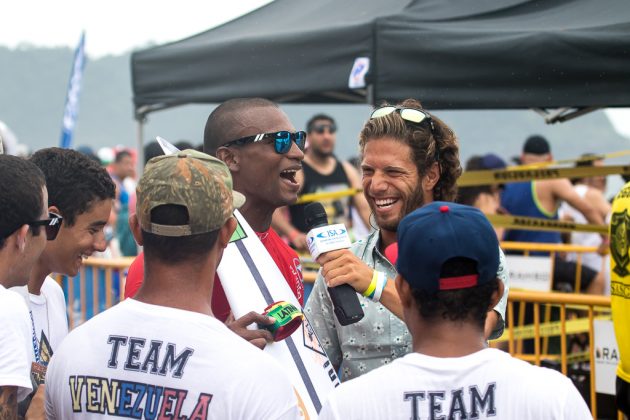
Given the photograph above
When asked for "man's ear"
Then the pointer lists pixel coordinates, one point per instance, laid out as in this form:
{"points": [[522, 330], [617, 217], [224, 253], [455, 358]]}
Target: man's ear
{"points": [[21, 236], [497, 295], [54, 209], [431, 178], [225, 234], [230, 156], [404, 291], [136, 230]]}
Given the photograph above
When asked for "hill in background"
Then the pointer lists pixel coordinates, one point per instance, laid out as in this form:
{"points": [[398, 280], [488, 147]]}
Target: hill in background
{"points": [[33, 83]]}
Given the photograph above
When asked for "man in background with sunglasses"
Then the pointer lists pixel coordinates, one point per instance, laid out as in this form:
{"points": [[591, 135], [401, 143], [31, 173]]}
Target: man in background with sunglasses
{"points": [[24, 209], [260, 146], [81, 193], [323, 172], [409, 159]]}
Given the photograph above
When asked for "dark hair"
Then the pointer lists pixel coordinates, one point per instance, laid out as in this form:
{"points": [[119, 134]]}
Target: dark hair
{"points": [[468, 195], [586, 160], [317, 117], [184, 144], [74, 181], [178, 249], [121, 155], [457, 305], [21, 185], [151, 150], [223, 122], [428, 146]]}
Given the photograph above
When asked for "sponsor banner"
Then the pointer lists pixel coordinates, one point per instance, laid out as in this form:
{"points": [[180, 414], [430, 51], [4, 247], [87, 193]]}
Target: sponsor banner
{"points": [[529, 273], [606, 356]]}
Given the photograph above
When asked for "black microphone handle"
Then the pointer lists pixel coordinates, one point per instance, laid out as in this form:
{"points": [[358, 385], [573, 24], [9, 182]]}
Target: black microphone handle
{"points": [[346, 304]]}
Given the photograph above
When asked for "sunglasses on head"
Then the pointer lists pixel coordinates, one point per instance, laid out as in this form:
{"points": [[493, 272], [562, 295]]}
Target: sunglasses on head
{"points": [[281, 140], [320, 128], [52, 225], [412, 115]]}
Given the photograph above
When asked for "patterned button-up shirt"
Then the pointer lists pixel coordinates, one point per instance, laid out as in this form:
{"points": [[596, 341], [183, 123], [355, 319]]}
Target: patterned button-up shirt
{"points": [[380, 336]]}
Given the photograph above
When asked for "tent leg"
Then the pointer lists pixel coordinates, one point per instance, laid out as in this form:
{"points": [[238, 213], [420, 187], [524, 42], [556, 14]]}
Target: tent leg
{"points": [[140, 145]]}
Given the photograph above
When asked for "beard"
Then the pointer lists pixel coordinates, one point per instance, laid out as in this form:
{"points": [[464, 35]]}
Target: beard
{"points": [[321, 154], [415, 201]]}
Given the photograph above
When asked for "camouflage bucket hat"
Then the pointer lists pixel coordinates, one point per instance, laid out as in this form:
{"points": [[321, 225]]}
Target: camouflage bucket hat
{"points": [[195, 180]]}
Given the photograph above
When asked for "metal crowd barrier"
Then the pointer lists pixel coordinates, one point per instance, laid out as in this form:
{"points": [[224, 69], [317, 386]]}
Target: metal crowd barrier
{"points": [[99, 285]]}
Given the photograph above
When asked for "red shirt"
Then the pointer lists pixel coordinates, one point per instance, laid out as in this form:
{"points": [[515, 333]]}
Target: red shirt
{"points": [[285, 258]]}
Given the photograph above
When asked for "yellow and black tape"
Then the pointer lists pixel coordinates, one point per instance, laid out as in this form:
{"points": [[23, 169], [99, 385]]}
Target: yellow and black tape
{"points": [[576, 160], [518, 174], [549, 329], [534, 223], [308, 198]]}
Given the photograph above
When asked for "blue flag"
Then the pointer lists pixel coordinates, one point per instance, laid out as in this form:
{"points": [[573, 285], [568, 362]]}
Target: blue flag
{"points": [[72, 98]]}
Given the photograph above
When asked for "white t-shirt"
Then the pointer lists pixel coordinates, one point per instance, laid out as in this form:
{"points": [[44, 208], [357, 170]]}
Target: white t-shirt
{"points": [[590, 259], [49, 317], [16, 354], [485, 384], [137, 360]]}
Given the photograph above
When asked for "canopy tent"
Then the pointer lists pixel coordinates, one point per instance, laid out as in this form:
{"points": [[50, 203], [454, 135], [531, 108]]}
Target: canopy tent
{"points": [[451, 54]]}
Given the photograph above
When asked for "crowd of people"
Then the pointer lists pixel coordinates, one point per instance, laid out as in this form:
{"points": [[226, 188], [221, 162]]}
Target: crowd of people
{"points": [[429, 273]]}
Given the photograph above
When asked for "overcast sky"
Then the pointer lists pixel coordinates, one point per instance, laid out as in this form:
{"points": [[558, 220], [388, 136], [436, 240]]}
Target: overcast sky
{"points": [[114, 26]]}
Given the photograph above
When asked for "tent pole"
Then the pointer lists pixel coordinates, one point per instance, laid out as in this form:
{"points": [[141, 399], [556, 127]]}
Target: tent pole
{"points": [[140, 144]]}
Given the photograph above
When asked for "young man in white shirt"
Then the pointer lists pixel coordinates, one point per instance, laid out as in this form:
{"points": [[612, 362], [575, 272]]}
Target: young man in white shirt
{"points": [[82, 192], [447, 265], [162, 353], [23, 226]]}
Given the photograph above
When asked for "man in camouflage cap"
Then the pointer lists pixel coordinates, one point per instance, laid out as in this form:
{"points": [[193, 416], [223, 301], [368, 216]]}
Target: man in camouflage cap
{"points": [[166, 340], [197, 181]]}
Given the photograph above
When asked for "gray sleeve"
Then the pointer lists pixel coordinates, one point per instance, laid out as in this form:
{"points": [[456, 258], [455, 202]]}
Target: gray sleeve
{"points": [[502, 274], [319, 312]]}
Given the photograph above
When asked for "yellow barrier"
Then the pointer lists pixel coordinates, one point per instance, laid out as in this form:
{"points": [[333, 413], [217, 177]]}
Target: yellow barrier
{"points": [[595, 307], [111, 274], [104, 278]]}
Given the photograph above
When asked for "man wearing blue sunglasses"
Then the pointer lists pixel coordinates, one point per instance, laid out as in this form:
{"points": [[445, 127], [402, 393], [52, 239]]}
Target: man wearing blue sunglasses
{"points": [[263, 151]]}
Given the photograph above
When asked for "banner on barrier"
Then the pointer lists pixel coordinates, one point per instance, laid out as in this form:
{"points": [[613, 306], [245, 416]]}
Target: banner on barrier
{"points": [[606, 356], [529, 273]]}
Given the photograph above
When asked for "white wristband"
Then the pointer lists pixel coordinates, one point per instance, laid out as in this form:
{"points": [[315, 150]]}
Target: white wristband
{"points": [[380, 285]]}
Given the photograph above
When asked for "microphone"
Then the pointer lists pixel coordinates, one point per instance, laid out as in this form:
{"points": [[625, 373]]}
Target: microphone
{"points": [[323, 238]]}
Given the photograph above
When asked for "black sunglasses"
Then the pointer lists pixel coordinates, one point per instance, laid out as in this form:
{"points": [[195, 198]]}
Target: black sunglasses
{"points": [[52, 225], [412, 115], [282, 140], [320, 128]]}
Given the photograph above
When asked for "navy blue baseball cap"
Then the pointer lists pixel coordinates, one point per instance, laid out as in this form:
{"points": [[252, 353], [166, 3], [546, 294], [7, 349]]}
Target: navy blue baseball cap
{"points": [[437, 232]]}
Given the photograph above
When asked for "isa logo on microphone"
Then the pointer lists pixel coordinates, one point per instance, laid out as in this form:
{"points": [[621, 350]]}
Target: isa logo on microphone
{"points": [[327, 238]]}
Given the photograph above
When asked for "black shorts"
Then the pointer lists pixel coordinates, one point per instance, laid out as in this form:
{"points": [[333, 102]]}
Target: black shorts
{"points": [[564, 275]]}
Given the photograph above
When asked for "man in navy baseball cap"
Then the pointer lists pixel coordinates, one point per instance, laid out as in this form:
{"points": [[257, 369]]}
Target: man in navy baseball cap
{"points": [[447, 281], [449, 232]]}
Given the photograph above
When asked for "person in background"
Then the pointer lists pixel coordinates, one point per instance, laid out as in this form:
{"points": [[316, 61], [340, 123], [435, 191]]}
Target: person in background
{"points": [[486, 198], [322, 172], [122, 171], [447, 283], [541, 199]]}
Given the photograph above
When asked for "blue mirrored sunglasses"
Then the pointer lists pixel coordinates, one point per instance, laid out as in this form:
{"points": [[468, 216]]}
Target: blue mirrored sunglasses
{"points": [[281, 140]]}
